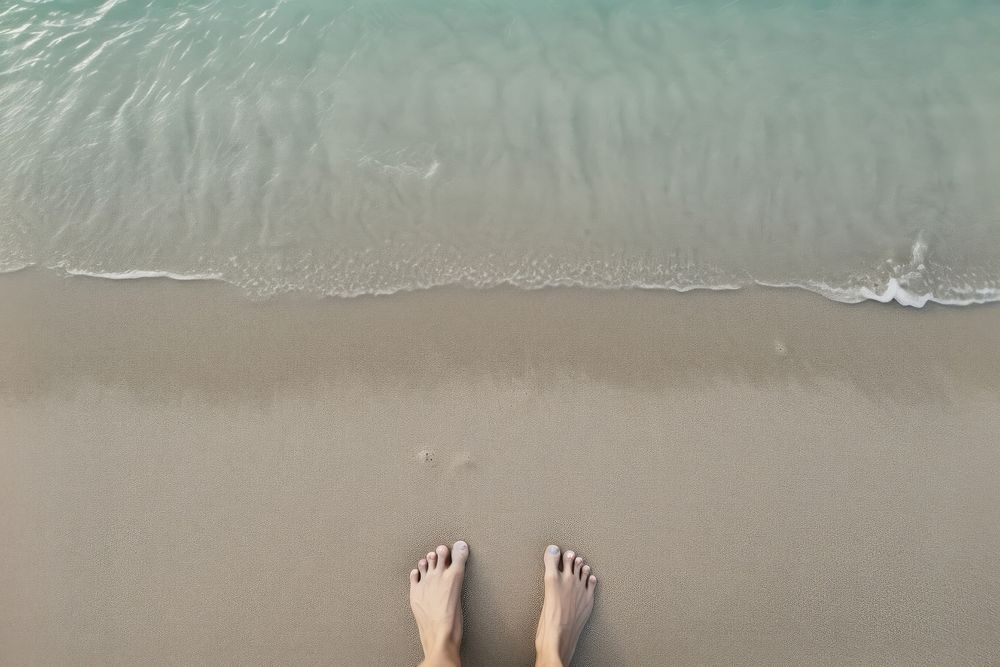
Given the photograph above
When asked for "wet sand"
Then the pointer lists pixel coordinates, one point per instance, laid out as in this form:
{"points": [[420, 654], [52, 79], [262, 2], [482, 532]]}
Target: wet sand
{"points": [[758, 477]]}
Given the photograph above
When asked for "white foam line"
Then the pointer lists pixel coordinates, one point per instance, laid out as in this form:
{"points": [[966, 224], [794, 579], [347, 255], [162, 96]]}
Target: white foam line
{"points": [[14, 268], [893, 291], [131, 275]]}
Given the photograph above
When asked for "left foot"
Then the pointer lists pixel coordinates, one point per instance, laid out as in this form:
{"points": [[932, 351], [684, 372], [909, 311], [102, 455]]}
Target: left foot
{"points": [[436, 601]]}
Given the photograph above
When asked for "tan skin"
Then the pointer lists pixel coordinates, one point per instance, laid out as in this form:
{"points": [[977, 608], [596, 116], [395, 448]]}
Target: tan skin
{"points": [[436, 601]]}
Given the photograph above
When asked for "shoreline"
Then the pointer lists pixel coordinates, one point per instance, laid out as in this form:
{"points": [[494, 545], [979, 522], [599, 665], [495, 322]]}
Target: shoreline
{"points": [[896, 288], [628, 337]]}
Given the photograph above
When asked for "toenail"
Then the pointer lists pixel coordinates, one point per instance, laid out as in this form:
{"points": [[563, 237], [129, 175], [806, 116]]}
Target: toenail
{"points": [[553, 549], [461, 546]]}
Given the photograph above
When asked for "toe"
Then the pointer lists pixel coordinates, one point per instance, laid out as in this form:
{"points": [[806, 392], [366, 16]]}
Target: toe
{"points": [[422, 566], [432, 560], [578, 567], [459, 554], [414, 576], [585, 574], [442, 553], [551, 559], [568, 559], [591, 582]]}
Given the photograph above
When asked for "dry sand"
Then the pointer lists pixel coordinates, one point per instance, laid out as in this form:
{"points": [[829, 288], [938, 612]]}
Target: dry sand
{"points": [[761, 477]]}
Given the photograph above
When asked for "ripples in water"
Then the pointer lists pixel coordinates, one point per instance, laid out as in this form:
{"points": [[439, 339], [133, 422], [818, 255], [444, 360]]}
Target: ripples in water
{"points": [[369, 147]]}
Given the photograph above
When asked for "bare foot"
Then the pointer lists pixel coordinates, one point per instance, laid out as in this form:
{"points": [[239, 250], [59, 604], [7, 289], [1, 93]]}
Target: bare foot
{"points": [[436, 601], [569, 599]]}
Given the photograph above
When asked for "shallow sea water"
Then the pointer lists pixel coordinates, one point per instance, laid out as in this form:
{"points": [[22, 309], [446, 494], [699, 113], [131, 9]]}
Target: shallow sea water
{"points": [[347, 148]]}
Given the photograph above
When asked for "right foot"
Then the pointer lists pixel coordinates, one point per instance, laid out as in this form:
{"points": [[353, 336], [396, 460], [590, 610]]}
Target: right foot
{"points": [[569, 599]]}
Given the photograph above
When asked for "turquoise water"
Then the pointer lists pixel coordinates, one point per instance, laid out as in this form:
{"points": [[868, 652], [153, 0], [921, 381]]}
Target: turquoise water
{"points": [[849, 147]]}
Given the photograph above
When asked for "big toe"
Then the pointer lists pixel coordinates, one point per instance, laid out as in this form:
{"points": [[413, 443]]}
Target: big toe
{"points": [[459, 553], [551, 559]]}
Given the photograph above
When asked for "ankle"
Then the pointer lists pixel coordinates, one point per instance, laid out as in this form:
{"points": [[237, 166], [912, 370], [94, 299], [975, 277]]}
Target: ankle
{"points": [[443, 654], [547, 656]]}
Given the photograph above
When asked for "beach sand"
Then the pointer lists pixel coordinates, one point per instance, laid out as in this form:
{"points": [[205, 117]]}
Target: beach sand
{"points": [[757, 477]]}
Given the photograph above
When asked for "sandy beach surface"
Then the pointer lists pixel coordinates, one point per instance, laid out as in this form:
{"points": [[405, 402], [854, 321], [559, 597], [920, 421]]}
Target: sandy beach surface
{"points": [[758, 477]]}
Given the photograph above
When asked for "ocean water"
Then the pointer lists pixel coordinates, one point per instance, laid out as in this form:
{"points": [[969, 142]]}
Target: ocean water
{"points": [[851, 147]]}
